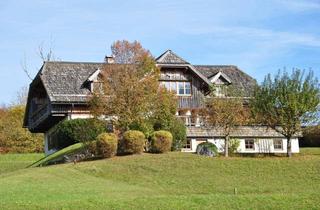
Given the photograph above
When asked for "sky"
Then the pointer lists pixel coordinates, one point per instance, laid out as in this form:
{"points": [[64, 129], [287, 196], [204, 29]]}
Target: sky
{"points": [[259, 36]]}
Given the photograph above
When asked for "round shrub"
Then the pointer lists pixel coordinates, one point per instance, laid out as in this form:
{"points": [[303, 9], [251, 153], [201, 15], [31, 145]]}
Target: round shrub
{"points": [[161, 141], [79, 130], [207, 149], [133, 142], [107, 144]]}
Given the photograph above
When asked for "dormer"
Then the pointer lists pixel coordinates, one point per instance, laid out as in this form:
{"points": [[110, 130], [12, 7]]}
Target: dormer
{"points": [[94, 82], [219, 81]]}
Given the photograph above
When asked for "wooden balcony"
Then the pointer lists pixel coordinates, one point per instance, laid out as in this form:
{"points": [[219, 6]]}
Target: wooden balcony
{"points": [[191, 121], [39, 115]]}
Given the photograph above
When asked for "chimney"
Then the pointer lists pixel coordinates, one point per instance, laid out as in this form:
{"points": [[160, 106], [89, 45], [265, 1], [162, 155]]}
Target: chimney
{"points": [[109, 59]]}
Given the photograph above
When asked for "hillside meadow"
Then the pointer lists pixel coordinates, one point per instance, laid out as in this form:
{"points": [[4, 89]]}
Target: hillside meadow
{"points": [[163, 181]]}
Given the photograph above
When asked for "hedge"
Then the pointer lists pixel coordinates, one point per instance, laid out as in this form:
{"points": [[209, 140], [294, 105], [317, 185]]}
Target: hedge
{"points": [[79, 130]]}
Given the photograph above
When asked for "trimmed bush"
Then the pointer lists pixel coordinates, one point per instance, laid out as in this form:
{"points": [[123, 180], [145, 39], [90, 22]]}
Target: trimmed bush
{"points": [[207, 149], [178, 130], [161, 141], [79, 130], [133, 142], [107, 144]]}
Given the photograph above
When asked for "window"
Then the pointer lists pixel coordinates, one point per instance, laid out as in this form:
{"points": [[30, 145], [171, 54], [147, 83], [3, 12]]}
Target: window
{"points": [[188, 144], [187, 88], [180, 88], [249, 144], [277, 144], [173, 87], [219, 92]]}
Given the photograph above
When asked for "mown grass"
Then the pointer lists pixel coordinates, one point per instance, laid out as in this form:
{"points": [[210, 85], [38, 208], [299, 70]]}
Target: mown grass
{"points": [[168, 181], [12, 162]]}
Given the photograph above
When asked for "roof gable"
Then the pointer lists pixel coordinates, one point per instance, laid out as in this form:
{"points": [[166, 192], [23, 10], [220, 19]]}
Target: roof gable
{"points": [[220, 77], [64, 81], [238, 78], [169, 57], [94, 76]]}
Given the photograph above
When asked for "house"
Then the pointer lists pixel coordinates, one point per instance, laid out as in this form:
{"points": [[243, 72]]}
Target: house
{"points": [[60, 91]]}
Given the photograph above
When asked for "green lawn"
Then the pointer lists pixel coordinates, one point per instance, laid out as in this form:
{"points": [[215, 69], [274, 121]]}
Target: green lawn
{"points": [[165, 181], [12, 162]]}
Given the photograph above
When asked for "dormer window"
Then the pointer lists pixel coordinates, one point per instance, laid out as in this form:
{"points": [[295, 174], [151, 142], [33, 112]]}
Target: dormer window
{"points": [[95, 82], [219, 91], [219, 81]]}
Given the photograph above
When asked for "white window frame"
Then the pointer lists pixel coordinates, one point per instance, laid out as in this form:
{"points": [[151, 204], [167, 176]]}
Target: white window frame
{"points": [[188, 144], [245, 144], [277, 144], [168, 85]]}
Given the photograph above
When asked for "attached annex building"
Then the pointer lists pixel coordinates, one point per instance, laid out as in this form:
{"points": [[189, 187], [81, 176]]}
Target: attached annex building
{"points": [[60, 91]]}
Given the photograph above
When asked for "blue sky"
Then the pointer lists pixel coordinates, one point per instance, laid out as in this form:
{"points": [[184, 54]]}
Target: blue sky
{"points": [[259, 36]]}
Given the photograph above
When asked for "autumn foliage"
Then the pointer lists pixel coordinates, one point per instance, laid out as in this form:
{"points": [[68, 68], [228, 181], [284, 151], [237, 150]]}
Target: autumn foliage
{"points": [[13, 137], [131, 92]]}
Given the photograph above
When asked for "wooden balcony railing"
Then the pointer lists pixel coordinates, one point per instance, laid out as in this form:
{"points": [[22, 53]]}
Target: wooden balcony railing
{"points": [[39, 114], [191, 120]]}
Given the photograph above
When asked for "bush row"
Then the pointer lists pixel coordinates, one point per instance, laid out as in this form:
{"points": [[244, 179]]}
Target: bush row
{"points": [[99, 143], [132, 142]]}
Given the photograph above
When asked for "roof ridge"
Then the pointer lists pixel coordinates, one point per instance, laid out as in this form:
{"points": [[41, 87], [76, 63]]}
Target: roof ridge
{"points": [[169, 57], [218, 65], [73, 62]]}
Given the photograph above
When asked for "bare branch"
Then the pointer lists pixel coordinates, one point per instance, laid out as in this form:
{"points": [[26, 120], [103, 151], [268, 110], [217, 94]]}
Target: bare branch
{"points": [[24, 67]]}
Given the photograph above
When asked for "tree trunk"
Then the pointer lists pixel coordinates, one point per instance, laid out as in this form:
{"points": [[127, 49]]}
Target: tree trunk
{"points": [[226, 146], [289, 153]]}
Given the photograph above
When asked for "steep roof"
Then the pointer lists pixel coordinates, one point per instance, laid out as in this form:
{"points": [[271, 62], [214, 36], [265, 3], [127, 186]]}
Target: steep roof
{"points": [[64, 80], [237, 77], [169, 57]]}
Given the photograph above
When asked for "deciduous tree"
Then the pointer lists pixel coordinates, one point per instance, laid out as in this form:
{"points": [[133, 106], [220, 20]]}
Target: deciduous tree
{"points": [[284, 102], [131, 92], [14, 138], [226, 113]]}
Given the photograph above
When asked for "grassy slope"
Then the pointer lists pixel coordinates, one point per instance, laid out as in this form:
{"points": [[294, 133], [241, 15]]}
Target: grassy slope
{"points": [[12, 162], [169, 181]]}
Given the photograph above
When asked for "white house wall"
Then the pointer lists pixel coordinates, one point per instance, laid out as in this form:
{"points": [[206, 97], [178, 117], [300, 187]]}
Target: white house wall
{"points": [[79, 116], [260, 145]]}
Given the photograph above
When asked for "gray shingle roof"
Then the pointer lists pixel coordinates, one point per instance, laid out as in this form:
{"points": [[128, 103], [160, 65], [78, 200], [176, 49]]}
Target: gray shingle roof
{"points": [[64, 80], [169, 57], [238, 78], [241, 131]]}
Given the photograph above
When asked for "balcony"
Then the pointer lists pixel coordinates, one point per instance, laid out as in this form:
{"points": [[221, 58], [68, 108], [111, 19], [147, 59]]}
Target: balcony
{"points": [[39, 115], [192, 121]]}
